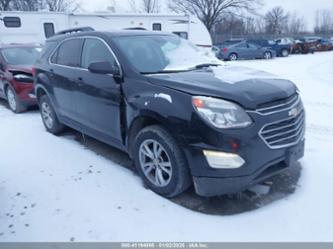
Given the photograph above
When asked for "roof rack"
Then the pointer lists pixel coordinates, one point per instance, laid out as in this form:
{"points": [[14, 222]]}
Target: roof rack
{"points": [[75, 30], [135, 28]]}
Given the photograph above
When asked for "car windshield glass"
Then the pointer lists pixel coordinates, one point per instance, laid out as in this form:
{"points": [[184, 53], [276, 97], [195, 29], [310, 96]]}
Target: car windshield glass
{"points": [[21, 56], [163, 53]]}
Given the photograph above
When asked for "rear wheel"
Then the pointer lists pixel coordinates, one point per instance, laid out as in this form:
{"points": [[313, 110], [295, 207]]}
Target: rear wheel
{"points": [[13, 101], [160, 162], [268, 55], [49, 116], [233, 57]]}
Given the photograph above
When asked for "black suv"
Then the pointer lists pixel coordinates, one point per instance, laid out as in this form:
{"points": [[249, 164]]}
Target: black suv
{"points": [[182, 116]]}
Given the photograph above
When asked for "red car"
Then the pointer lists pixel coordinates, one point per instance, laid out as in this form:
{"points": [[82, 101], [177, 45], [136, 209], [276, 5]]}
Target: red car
{"points": [[16, 75]]}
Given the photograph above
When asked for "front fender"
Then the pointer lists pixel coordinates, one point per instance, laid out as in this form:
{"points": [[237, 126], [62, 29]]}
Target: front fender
{"points": [[170, 108]]}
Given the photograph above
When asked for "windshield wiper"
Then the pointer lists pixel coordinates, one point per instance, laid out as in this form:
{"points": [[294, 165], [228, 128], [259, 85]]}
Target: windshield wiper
{"points": [[165, 71], [200, 66]]}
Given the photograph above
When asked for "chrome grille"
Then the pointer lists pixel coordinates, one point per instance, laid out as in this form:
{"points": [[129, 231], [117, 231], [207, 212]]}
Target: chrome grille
{"points": [[279, 105], [284, 133]]}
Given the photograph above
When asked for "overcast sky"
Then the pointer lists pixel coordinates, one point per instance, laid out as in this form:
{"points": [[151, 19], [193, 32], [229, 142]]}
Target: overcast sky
{"points": [[305, 8]]}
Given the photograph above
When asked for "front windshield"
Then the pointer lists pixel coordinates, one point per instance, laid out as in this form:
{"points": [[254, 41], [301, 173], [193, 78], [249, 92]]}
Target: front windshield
{"points": [[162, 53], [21, 56]]}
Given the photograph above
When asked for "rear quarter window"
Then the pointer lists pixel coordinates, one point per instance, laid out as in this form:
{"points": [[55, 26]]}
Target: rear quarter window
{"points": [[68, 53]]}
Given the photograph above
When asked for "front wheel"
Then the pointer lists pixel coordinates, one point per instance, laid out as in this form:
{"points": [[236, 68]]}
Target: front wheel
{"points": [[285, 53], [49, 116], [13, 101], [160, 162], [268, 55]]}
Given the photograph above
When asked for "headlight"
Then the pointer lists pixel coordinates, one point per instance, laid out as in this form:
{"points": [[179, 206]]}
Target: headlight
{"points": [[221, 113], [24, 78]]}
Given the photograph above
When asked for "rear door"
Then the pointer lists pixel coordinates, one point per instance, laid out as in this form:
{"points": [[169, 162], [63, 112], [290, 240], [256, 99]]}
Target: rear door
{"points": [[98, 96], [64, 66], [255, 51]]}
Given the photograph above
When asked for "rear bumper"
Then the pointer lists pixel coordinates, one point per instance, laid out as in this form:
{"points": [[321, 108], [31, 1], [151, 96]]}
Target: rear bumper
{"points": [[217, 186]]}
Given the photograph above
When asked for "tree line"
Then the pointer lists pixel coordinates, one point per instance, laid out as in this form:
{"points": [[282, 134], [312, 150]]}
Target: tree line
{"points": [[36, 5], [233, 17]]}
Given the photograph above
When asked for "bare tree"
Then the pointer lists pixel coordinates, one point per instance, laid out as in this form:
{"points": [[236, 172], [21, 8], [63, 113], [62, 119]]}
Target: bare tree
{"points": [[296, 24], [324, 21], [276, 21], [151, 6], [5, 4], [210, 12], [27, 5], [146, 6], [61, 5]]}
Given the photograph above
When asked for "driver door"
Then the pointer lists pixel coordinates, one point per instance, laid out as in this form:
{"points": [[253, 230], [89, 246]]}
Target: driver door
{"points": [[98, 96]]}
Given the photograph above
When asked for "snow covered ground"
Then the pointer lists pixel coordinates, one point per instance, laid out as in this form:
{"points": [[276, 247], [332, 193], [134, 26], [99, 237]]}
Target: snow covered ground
{"points": [[55, 189]]}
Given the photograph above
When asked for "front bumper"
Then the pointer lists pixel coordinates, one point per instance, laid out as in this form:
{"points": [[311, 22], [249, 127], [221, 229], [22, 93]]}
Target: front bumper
{"points": [[212, 186], [263, 157], [25, 93]]}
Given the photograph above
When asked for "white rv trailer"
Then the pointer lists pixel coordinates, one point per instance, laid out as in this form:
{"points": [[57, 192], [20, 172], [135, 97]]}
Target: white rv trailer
{"points": [[22, 26]]}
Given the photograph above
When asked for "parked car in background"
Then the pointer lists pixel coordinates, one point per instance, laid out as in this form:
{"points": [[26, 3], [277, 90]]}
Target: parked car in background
{"points": [[184, 118], [16, 75], [245, 50], [324, 45], [295, 47], [228, 43], [281, 49], [308, 44]]}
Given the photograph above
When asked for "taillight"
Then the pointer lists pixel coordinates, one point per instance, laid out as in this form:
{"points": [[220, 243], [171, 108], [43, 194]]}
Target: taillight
{"points": [[225, 49]]}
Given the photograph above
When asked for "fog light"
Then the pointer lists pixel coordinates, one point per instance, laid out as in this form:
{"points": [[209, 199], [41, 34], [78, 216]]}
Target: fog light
{"points": [[223, 160]]}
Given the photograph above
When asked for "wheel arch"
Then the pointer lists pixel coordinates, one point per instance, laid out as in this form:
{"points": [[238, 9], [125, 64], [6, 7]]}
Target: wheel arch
{"points": [[141, 122]]}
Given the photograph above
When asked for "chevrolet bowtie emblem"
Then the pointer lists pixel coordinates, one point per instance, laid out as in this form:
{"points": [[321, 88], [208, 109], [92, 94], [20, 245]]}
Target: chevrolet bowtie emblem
{"points": [[293, 112]]}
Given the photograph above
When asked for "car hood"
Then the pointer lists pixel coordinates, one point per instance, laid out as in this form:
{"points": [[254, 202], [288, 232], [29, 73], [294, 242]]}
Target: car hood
{"points": [[20, 68], [245, 86]]}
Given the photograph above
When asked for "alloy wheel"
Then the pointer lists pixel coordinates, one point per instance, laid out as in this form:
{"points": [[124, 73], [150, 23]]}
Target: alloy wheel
{"points": [[155, 163], [233, 57], [11, 99], [47, 115], [267, 55]]}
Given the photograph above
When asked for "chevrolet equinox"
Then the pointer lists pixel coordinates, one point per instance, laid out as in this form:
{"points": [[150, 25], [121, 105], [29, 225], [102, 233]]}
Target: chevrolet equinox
{"points": [[182, 116]]}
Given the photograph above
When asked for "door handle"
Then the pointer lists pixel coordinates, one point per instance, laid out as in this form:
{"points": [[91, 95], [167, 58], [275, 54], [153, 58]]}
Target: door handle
{"points": [[79, 82]]}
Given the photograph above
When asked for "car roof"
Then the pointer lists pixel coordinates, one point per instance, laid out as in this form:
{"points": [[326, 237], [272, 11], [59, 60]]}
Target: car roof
{"points": [[119, 33]]}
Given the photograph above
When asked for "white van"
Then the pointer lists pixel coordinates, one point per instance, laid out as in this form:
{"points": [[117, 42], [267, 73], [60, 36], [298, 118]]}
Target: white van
{"points": [[21, 26]]}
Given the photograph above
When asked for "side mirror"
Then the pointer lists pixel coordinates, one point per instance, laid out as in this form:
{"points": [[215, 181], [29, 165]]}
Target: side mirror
{"points": [[104, 67]]}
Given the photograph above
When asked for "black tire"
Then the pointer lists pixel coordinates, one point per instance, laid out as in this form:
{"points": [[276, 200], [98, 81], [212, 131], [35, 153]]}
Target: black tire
{"points": [[54, 126], [17, 106], [233, 57], [268, 55], [180, 178], [285, 53]]}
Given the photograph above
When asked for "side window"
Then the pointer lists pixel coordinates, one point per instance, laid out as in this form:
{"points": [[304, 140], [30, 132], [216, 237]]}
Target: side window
{"points": [[12, 21], [95, 50], [157, 26], [68, 54], [252, 46], [183, 35], [48, 29], [242, 45]]}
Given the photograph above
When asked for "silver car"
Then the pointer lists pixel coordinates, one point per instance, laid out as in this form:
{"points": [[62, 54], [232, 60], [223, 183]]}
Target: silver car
{"points": [[245, 50]]}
